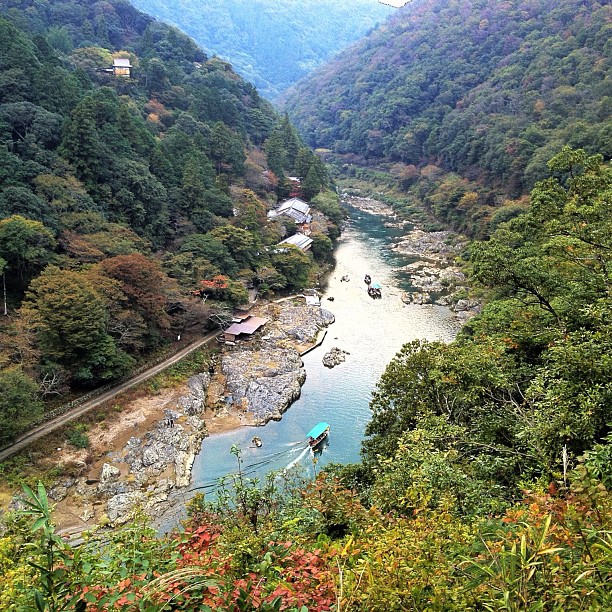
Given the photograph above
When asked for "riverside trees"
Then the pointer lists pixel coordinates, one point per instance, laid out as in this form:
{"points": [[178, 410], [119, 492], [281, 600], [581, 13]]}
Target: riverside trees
{"points": [[527, 385]]}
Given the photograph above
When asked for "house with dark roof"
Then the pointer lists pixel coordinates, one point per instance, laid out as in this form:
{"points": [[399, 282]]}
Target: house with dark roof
{"points": [[247, 327], [296, 209]]}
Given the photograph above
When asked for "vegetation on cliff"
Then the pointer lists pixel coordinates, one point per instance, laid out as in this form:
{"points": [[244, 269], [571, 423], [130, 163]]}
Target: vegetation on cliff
{"points": [[271, 43], [120, 194], [465, 102]]}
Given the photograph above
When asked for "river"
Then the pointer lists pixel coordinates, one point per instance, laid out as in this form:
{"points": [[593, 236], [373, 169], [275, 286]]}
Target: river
{"points": [[372, 331]]}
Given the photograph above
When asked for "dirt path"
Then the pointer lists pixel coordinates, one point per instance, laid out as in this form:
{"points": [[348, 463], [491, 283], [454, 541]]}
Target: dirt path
{"points": [[53, 424]]}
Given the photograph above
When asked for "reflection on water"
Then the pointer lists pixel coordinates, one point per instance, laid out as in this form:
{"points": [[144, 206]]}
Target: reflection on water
{"points": [[372, 331]]}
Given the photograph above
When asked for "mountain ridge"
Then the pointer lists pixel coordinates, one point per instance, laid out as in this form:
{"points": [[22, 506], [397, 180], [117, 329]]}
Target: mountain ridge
{"points": [[487, 89], [271, 43]]}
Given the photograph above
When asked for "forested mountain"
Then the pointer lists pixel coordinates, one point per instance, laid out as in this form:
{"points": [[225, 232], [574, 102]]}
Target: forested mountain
{"points": [[486, 476], [488, 91], [120, 195], [271, 43]]}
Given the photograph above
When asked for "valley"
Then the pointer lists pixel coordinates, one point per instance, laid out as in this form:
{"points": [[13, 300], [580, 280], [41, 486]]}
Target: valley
{"points": [[410, 248]]}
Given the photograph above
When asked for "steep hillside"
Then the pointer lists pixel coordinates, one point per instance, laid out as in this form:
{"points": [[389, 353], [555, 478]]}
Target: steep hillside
{"points": [[272, 43], [126, 194], [488, 89]]}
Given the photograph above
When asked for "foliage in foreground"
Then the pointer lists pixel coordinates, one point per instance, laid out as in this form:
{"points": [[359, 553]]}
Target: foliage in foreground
{"points": [[319, 548]]}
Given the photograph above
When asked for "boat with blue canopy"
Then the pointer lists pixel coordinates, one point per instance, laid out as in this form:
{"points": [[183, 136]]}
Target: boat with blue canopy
{"points": [[317, 434], [375, 290]]}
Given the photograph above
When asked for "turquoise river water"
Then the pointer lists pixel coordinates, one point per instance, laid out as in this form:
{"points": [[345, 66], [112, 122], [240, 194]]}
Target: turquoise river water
{"points": [[372, 331]]}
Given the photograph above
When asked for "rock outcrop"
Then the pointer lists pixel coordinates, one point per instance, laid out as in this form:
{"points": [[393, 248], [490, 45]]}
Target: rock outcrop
{"points": [[334, 357], [145, 472], [265, 382]]}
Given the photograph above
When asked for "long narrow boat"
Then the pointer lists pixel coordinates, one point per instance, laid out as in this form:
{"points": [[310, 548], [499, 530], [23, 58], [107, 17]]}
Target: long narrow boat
{"points": [[317, 434]]}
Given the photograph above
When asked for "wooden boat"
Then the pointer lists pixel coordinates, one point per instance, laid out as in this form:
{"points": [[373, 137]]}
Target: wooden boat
{"points": [[317, 434], [257, 441], [375, 290], [367, 279]]}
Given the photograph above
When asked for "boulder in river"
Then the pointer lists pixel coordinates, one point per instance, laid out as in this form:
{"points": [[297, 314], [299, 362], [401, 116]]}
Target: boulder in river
{"points": [[334, 357]]}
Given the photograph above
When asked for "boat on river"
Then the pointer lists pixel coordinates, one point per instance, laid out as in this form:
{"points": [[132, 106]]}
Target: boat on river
{"points": [[317, 434], [375, 290]]}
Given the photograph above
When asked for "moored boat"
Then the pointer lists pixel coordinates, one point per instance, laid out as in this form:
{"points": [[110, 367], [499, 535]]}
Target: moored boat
{"points": [[317, 434]]}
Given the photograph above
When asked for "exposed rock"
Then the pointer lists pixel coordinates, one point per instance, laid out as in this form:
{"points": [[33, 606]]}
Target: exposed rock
{"points": [[465, 309], [87, 514], [120, 508], [57, 493], [169, 448], [60, 490], [439, 246], [299, 322], [367, 204], [417, 298], [109, 473], [264, 383], [463, 305], [193, 403], [334, 357]]}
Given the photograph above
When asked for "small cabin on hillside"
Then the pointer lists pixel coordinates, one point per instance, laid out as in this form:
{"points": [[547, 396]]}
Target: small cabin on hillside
{"points": [[122, 67], [301, 241]]}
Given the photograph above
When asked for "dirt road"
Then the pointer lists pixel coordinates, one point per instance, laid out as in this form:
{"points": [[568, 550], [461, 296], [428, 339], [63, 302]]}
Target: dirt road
{"points": [[53, 424]]}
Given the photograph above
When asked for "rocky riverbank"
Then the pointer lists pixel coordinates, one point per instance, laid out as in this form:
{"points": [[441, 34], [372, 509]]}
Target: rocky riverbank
{"points": [[265, 377], [251, 382], [434, 274], [144, 472]]}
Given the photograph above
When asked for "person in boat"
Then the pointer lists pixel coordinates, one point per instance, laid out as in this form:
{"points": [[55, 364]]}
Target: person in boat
{"points": [[257, 441], [317, 434]]}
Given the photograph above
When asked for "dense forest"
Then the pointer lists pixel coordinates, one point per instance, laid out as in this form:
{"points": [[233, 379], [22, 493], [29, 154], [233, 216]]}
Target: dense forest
{"points": [[121, 195], [466, 101], [485, 483], [271, 43]]}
